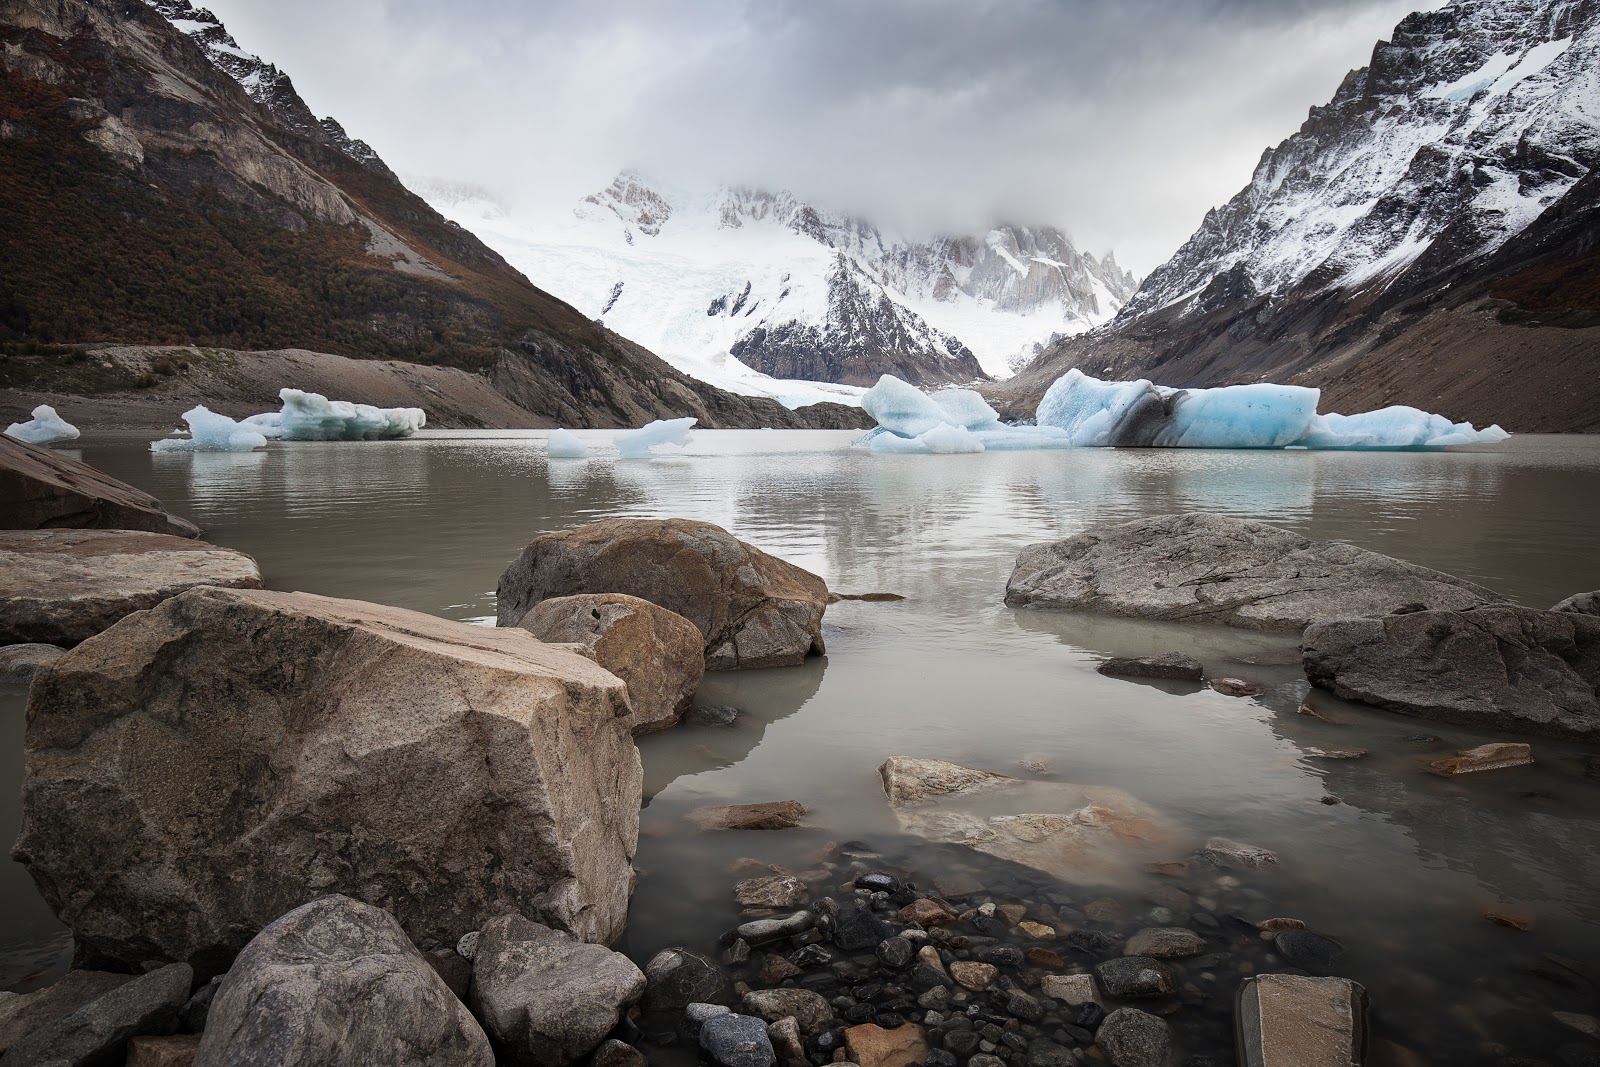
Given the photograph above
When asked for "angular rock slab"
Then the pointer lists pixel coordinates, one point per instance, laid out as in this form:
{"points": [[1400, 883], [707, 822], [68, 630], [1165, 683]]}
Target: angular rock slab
{"points": [[657, 653], [545, 999], [19, 663], [1495, 667], [1079, 833], [44, 490], [335, 983], [207, 766], [1217, 569], [98, 1032], [752, 609], [1582, 603], [21, 1014], [59, 587], [1285, 1020]]}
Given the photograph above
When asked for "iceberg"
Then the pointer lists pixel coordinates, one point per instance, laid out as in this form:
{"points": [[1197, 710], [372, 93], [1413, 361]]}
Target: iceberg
{"points": [[966, 408], [902, 409], [948, 421], [642, 443], [564, 444], [313, 417], [943, 439], [211, 432], [1397, 427], [45, 428]]}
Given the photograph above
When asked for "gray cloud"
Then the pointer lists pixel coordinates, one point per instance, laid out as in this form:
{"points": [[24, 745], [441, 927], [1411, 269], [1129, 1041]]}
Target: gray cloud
{"points": [[1120, 120]]}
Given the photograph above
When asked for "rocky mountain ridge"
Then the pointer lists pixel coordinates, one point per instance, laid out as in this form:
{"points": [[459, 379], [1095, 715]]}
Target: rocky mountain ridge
{"points": [[1426, 236]]}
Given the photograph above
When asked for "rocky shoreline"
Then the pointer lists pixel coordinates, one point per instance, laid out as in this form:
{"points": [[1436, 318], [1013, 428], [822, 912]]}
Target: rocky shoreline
{"points": [[255, 808]]}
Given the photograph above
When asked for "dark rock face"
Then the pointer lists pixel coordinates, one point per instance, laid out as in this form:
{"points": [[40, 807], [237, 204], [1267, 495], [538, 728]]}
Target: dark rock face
{"points": [[1173, 665], [544, 999], [41, 489], [1496, 667], [98, 1032], [335, 982], [1218, 569], [754, 610]]}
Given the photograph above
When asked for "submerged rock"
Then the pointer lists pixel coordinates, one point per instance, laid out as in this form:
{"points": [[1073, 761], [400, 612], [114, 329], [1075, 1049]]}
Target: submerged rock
{"points": [[1166, 942], [1219, 569], [752, 609], [1493, 667], [657, 653], [1133, 977], [1294, 1021], [766, 815], [1134, 1038], [544, 999], [41, 489], [676, 978], [64, 586], [870, 1045], [207, 766], [1221, 852], [1495, 756], [1173, 665], [335, 983], [1236, 687]]}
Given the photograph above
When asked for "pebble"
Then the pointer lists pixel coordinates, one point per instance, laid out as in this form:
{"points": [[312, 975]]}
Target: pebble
{"points": [[1131, 977], [1037, 931], [973, 975], [895, 952], [1070, 989], [467, 947]]}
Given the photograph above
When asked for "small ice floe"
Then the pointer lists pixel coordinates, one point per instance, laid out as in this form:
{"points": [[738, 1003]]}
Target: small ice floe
{"points": [[211, 432], [313, 417], [45, 428], [642, 443], [564, 444]]}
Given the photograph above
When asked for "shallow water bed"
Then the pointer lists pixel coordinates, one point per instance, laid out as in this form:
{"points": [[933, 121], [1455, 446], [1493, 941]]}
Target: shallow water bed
{"points": [[1400, 869]]}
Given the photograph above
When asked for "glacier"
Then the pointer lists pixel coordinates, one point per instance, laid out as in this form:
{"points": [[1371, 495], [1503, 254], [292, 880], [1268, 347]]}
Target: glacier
{"points": [[45, 428], [313, 417], [1080, 411], [642, 443], [211, 432], [564, 444]]}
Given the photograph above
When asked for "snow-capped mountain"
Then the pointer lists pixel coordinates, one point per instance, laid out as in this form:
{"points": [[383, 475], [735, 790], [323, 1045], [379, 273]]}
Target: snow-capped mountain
{"points": [[1426, 237], [743, 280], [1466, 127]]}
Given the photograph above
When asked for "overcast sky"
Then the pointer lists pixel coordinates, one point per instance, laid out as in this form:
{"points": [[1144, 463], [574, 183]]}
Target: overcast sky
{"points": [[1122, 121]]}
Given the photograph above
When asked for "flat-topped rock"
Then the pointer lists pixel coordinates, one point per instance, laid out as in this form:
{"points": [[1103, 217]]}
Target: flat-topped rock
{"points": [[1174, 666], [1495, 667], [657, 653], [752, 609], [59, 587], [209, 765], [1223, 570], [44, 490], [1289, 1020]]}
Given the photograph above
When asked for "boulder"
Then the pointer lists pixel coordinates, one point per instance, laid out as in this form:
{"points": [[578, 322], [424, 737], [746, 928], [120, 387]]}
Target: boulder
{"points": [[45, 490], [207, 766], [765, 815], [98, 1032], [1134, 1038], [62, 586], [20, 1014], [335, 983], [676, 978], [1493, 667], [545, 999], [1288, 1020], [752, 609], [737, 1041], [1171, 665], [657, 653], [19, 662], [1066, 830], [1218, 569], [1582, 603]]}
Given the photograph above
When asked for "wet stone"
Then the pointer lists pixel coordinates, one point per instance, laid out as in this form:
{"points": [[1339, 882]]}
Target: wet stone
{"points": [[1309, 951], [895, 952], [1004, 956], [856, 928], [878, 882], [1093, 942], [760, 931], [1133, 977], [1236, 687], [1166, 942], [1132, 1038], [737, 1041], [711, 715]]}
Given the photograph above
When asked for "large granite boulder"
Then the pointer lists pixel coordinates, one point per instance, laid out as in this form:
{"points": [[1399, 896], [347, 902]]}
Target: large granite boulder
{"points": [[1582, 603], [41, 489], [202, 768], [1499, 667], [1218, 569], [58, 587], [658, 654], [335, 983], [545, 999], [98, 1032], [752, 609]]}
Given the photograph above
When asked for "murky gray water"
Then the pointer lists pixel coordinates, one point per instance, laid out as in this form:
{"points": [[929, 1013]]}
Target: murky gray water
{"points": [[1401, 870]]}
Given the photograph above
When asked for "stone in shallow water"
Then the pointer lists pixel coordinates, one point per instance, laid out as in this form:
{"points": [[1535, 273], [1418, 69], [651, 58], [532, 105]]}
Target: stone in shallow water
{"points": [[1171, 665], [1132, 977], [677, 977], [711, 715], [1166, 942], [1133, 1038], [760, 931], [1491, 757], [807, 1008], [1221, 852], [773, 891], [737, 1041], [973, 975], [1294, 1021], [1070, 989], [1307, 950], [870, 1045], [1237, 687], [767, 815]]}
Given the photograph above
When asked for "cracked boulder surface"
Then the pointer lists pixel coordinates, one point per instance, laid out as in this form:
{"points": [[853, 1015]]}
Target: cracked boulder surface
{"points": [[752, 609], [1499, 666], [1223, 570]]}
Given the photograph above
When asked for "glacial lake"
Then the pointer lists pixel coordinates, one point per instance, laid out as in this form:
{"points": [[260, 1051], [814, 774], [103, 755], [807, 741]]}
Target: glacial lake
{"points": [[1400, 867]]}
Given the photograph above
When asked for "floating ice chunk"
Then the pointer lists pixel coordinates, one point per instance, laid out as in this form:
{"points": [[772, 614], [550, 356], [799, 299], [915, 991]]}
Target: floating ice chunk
{"points": [[45, 428], [313, 417], [1397, 427], [1023, 438], [1094, 412], [966, 407], [642, 443], [564, 444], [902, 408], [210, 432], [943, 439]]}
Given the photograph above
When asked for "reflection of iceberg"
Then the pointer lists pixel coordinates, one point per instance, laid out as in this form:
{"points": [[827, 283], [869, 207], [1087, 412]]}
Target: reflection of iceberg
{"points": [[313, 417], [1080, 411], [642, 443], [211, 432], [45, 428]]}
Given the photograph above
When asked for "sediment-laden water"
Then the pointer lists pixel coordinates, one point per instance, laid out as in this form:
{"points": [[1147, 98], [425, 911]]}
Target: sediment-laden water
{"points": [[1400, 869]]}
